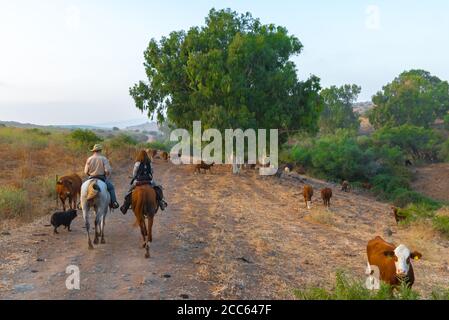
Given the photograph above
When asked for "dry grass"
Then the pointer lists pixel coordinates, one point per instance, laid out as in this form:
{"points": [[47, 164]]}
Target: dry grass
{"points": [[31, 162], [322, 216]]}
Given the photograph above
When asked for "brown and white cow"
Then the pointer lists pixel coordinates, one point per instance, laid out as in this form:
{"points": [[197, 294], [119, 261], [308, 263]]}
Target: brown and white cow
{"points": [[308, 193], [394, 262]]}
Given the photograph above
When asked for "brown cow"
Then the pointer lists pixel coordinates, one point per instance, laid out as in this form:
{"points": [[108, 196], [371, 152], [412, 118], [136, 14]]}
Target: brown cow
{"points": [[165, 156], [345, 186], [144, 205], [326, 195], [394, 263], [367, 186], [397, 216], [69, 187], [308, 193], [152, 153], [204, 166]]}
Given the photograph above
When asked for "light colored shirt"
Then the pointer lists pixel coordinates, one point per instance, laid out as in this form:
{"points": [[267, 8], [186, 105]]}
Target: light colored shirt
{"points": [[97, 165]]}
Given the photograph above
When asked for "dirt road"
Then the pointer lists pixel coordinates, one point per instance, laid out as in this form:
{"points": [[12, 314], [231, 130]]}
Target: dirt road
{"points": [[222, 236]]}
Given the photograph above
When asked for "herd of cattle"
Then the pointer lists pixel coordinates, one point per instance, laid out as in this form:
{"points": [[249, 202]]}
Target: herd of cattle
{"points": [[393, 262]]}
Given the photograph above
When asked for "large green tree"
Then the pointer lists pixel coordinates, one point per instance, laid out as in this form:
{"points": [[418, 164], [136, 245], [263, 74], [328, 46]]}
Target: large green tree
{"points": [[338, 111], [234, 72], [415, 97]]}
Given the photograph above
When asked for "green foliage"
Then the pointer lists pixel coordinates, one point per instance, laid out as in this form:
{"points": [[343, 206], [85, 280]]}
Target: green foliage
{"points": [[441, 223], [415, 97], [378, 159], [33, 139], [417, 209], [338, 112], [446, 121], [349, 289], [159, 145], [13, 202], [415, 142], [122, 140], [234, 72], [84, 138], [343, 156], [443, 152]]}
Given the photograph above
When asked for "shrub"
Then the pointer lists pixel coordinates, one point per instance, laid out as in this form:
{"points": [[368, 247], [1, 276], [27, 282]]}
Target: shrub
{"points": [[122, 140], [446, 121], [349, 289], [441, 223], [13, 202], [160, 145], [443, 152], [85, 137]]}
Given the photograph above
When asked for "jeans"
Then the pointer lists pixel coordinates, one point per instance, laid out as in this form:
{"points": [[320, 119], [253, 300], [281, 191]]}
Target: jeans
{"points": [[111, 190]]}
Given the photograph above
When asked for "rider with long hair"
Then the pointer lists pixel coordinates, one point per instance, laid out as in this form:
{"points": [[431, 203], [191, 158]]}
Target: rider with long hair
{"points": [[143, 173]]}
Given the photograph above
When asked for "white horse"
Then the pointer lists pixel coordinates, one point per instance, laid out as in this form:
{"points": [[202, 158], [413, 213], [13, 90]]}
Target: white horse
{"points": [[95, 195]]}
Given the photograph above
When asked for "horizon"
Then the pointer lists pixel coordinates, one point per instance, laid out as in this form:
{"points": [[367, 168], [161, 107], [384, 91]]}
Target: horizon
{"points": [[72, 62]]}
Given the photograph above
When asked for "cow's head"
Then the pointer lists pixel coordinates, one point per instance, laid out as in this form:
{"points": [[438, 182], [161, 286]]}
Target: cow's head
{"points": [[402, 259], [64, 187]]}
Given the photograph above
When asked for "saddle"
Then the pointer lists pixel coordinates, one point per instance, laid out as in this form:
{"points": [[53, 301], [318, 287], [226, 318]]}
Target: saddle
{"points": [[142, 183]]}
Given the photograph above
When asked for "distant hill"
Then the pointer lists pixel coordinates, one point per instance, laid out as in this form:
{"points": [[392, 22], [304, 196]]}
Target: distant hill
{"points": [[16, 124], [363, 107], [148, 127]]}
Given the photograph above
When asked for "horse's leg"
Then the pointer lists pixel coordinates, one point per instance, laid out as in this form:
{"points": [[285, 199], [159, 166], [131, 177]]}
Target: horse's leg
{"points": [[86, 221], [103, 223], [97, 228], [143, 231], [150, 229], [150, 237], [70, 202]]}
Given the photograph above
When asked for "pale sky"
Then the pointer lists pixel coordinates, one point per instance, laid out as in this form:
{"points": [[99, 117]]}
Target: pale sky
{"points": [[72, 62]]}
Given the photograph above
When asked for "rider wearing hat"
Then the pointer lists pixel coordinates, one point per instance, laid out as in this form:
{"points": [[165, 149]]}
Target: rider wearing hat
{"points": [[98, 167]]}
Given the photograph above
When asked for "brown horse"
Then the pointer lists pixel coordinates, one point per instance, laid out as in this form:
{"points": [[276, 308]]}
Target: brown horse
{"points": [[144, 205]]}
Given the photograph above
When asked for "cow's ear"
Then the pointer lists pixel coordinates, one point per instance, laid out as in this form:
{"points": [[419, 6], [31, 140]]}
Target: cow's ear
{"points": [[416, 255], [389, 253]]}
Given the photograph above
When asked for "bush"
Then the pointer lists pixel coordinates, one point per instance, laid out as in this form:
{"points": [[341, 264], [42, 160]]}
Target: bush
{"points": [[349, 289], [446, 121], [122, 140], [158, 145], [85, 138], [402, 198], [33, 139], [414, 142], [443, 152], [13, 202], [441, 223]]}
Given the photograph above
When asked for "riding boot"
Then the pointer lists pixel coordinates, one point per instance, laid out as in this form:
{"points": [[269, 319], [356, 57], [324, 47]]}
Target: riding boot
{"points": [[124, 208], [162, 204]]}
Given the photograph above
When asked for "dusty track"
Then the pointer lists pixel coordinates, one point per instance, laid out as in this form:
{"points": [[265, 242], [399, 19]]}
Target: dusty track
{"points": [[222, 237]]}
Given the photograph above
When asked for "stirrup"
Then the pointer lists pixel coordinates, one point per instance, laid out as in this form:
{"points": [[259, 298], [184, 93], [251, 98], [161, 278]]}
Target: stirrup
{"points": [[163, 205]]}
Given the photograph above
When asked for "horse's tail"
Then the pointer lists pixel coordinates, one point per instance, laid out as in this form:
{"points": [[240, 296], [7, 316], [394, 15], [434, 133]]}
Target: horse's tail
{"points": [[92, 191]]}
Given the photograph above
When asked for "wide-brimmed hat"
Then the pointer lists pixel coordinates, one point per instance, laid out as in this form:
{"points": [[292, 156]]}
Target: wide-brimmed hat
{"points": [[97, 147]]}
